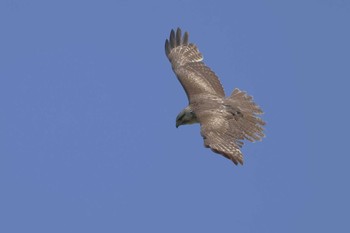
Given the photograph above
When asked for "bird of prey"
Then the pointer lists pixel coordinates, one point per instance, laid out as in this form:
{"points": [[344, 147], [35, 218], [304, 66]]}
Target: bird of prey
{"points": [[225, 121]]}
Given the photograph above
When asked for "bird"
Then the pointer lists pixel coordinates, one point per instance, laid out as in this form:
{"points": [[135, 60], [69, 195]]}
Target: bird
{"points": [[225, 122]]}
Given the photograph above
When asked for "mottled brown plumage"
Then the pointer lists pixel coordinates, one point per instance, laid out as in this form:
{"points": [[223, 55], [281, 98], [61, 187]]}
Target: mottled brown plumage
{"points": [[225, 121]]}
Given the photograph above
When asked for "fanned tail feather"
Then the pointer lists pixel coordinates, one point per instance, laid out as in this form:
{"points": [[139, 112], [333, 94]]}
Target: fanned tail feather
{"points": [[246, 113]]}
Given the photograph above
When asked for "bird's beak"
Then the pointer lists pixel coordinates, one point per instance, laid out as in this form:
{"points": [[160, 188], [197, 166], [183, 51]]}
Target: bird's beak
{"points": [[177, 124]]}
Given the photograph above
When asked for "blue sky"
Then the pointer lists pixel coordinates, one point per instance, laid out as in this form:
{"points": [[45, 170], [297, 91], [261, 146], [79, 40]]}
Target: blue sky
{"points": [[88, 103]]}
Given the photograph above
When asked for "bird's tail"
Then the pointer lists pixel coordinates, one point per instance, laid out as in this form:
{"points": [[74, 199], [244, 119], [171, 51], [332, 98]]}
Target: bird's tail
{"points": [[246, 114]]}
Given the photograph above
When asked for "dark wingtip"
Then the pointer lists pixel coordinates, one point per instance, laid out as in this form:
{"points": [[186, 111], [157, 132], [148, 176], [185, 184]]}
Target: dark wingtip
{"points": [[172, 39], [167, 47], [175, 40], [178, 36], [237, 161], [234, 161], [185, 39]]}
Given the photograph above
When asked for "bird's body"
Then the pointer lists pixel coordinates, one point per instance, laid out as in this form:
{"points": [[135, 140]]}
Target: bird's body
{"points": [[225, 121]]}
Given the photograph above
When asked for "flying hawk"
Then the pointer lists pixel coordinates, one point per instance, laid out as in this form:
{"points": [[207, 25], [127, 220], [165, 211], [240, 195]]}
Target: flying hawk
{"points": [[225, 121]]}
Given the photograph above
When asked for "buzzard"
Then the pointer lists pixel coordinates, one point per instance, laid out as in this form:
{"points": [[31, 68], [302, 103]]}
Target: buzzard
{"points": [[225, 121]]}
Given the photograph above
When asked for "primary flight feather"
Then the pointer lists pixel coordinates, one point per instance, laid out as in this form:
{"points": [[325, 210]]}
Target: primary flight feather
{"points": [[225, 121]]}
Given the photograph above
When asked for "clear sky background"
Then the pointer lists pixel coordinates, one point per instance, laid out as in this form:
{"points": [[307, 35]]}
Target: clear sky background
{"points": [[88, 103]]}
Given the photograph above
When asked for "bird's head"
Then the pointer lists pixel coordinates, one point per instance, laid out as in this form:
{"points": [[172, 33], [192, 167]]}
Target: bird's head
{"points": [[186, 117]]}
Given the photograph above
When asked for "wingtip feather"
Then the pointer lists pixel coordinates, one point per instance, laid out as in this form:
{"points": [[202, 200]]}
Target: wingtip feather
{"points": [[185, 39], [172, 39], [167, 47], [178, 37]]}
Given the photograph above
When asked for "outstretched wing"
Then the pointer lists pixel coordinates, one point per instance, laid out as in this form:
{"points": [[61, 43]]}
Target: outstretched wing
{"points": [[220, 136], [186, 60]]}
